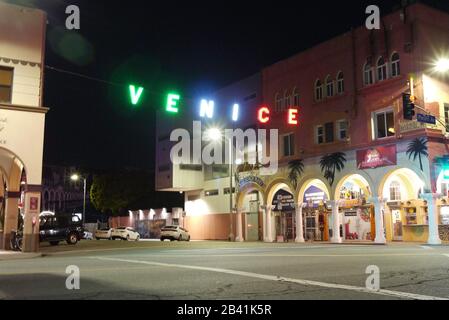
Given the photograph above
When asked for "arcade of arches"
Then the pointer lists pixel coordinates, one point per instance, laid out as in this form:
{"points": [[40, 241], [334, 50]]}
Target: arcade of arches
{"points": [[354, 209]]}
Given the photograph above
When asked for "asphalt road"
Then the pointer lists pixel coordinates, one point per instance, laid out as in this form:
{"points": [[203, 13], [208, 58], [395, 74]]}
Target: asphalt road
{"points": [[221, 270]]}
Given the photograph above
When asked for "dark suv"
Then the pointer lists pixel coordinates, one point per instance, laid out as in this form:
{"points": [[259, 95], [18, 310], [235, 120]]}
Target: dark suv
{"points": [[62, 227]]}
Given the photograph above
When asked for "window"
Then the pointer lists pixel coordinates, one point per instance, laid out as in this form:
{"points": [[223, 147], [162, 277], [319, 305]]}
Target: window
{"points": [[325, 133], [395, 65], [395, 191], [278, 105], [381, 69], [340, 83], [211, 193], [226, 190], [289, 145], [368, 74], [6, 84], [318, 90], [342, 129], [191, 167], [295, 98], [329, 87], [384, 124], [286, 100]]}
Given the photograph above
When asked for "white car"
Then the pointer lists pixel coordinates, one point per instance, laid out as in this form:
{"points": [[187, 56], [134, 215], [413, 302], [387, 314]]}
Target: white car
{"points": [[125, 233], [173, 233], [103, 234]]}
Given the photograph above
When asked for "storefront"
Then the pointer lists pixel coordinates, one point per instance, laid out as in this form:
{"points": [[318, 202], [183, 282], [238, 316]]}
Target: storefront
{"points": [[284, 214], [316, 215]]}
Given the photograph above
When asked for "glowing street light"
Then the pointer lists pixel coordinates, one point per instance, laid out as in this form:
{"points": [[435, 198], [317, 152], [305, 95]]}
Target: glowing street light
{"points": [[442, 65], [76, 177]]}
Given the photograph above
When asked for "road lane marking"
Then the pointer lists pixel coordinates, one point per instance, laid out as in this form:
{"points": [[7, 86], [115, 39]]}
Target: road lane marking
{"points": [[447, 255], [281, 279], [427, 248], [280, 255]]}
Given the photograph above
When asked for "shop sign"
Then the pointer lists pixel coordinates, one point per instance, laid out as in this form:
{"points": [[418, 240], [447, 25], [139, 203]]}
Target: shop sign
{"points": [[408, 126], [284, 201], [377, 157], [351, 214], [351, 203], [251, 179], [314, 196], [34, 204]]}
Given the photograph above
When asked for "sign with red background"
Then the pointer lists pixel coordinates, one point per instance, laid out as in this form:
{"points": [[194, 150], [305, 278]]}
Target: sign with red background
{"points": [[377, 157]]}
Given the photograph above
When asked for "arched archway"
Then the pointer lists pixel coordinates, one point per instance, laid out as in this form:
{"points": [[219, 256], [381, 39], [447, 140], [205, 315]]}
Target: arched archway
{"points": [[281, 197], [404, 211], [313, 195], [354, 216], [249, 219]]}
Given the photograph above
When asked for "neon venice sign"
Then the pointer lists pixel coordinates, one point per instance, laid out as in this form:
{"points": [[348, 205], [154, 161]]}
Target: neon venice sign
{"points": [[207, 110]]}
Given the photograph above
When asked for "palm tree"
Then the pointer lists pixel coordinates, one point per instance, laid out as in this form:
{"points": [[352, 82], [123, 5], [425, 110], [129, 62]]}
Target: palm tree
{"points": [[332, 163], [296, 169], [417, 149]]}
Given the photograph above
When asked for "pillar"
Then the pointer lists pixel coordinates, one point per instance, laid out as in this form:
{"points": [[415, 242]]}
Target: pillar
{"points": [[336, 238], [299, 227], [11, 217], [434, 236], [379, 205], [31, 219], [268, 236], [239, 231]]}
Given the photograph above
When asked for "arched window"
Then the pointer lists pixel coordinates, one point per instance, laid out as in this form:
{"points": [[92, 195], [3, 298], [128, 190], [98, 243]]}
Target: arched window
{"points": [[340, 83], [287, 102], [368, 74], [318, 90], [329, 87], [381, 69], [295, 98], [395, 191], [395, 65], [278, 102]]}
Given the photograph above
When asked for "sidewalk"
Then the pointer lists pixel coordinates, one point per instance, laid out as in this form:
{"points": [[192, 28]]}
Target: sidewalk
{"points": [[11, 255]]}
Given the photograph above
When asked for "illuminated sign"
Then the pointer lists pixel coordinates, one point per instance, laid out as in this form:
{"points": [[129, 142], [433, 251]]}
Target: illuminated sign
{"points": [[172, 102], [235, 112], [207, 109], [263, 115], [293, 116], [135, 94]]}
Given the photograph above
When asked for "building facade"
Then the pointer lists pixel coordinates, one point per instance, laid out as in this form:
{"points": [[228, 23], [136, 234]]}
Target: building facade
{"points": [[353, 167], [22, 119]]}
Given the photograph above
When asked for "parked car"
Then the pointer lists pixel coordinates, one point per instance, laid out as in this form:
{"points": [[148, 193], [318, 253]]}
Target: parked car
{"points": [[105, 233], [125, 233], [173, 233], [88, 235], [61, 227]]}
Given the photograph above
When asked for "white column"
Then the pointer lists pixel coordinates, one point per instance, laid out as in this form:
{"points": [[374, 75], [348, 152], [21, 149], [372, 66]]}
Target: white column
{"points": [[299, 230], [434, 236], [336, 238], [268, 237], [239, 236], [379, 204]]}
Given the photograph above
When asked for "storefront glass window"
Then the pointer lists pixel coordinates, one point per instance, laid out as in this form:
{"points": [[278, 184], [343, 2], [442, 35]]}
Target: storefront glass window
{"points": [[395, 191]]}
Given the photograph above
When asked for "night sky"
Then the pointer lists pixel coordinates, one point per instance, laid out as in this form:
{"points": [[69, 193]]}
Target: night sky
{"points": [[193, 47]]}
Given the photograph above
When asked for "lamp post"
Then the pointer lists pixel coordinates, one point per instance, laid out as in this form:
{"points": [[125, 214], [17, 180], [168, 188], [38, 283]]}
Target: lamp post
{"points": [[215, 134], [76, 177]]}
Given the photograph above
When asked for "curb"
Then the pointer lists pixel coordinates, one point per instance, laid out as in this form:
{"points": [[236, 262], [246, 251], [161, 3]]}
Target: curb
{"points": [[19, 256]]}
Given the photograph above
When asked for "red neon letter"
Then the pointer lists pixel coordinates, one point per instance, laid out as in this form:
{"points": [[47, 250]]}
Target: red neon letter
{"points": [[264, 115], [293, 116]]}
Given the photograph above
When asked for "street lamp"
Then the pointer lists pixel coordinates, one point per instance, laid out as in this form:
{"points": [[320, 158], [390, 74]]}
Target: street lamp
{"points": [[76, 177], [442, 65], [214, 134]]}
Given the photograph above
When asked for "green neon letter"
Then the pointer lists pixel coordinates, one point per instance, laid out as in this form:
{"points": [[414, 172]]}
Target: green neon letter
{"points": [[172, 102], [135, 95]]}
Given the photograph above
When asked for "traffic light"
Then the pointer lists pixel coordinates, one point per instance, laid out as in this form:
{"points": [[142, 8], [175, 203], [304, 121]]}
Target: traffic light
{"points": [[408, 106]]}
